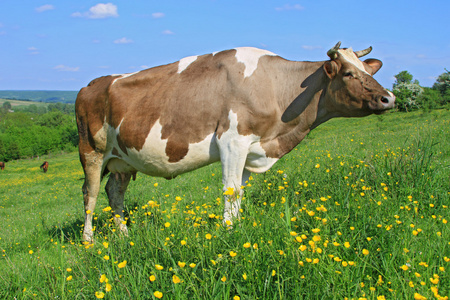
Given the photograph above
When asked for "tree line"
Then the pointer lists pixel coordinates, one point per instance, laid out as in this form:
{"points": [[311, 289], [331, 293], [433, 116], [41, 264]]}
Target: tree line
{"points": [[33, 131], [411, 96]]}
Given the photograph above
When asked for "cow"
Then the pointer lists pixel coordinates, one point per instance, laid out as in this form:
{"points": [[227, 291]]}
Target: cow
{"points": [[2, 165], [244, 107], [44, 166]]}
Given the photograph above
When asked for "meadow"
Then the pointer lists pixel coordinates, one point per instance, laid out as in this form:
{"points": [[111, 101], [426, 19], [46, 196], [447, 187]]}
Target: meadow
{"points": [[359, 210]]}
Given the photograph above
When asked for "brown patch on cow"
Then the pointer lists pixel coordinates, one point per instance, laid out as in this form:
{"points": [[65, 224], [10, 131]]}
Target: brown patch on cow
{"points": [[176, 151], [2, 165], [189, 105]]}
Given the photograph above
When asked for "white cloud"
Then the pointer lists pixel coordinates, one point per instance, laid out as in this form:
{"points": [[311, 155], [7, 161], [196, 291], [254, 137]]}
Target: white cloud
{"points": [[44, 8], [99, 11], [123, 40], [289, 7], [158, 15], [66, 68], [168, 32], [33, 50]]}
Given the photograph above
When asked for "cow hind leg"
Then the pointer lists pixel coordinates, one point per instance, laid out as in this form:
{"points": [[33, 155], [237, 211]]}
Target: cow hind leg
{"points": [[115, 189], [92, 168]]}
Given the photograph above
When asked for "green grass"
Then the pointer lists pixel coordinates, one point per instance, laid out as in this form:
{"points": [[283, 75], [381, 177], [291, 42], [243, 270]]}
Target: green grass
{"points": [[359, 209]]}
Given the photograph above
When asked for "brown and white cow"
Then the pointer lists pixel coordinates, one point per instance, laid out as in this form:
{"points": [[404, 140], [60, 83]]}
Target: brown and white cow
{"points": [[244, 107]]}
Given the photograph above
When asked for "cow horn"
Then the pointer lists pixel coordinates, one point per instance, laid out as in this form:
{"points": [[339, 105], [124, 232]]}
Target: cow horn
{"points": [[333, 51], [361, 53]]}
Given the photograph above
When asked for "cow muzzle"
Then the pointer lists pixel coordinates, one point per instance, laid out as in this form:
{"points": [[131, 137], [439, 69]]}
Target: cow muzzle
{"points": [[384, 103]]}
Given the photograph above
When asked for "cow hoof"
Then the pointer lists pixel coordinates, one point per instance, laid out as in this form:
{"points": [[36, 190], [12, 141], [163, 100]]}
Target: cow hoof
{"points": [[88, 239]]}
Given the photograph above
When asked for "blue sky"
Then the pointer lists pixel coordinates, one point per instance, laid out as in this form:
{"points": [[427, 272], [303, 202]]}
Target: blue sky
{"points": [[63, 45]]}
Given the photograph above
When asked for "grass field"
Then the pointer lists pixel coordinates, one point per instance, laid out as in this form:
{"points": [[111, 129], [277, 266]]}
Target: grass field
{"points": [[21, 103], [358, 210]]}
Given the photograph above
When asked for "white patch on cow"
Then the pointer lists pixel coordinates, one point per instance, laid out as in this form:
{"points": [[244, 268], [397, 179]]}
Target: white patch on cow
{"points": [[122, 76], [185, 62], [249, 57], [351, 57], [153, 160]]}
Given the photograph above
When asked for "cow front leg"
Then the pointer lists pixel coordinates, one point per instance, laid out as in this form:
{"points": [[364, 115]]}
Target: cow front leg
{"points": [[115, 189], [233, 196]]}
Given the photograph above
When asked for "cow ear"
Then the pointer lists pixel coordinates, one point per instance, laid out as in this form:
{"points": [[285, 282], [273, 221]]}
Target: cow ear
{"points": [[372, 65], [331, 68]]}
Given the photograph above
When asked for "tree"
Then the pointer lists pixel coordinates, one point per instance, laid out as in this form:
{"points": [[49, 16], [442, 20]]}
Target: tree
{"points": [[406, 92], [6, 106], [442, 85], [404, 77]]}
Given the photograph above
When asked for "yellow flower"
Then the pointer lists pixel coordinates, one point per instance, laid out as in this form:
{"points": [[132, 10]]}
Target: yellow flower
{"points": [[152, 278], [181, 264], [418, 296], [108, 208], [178, 198], [105, 244], [69, 278], [302, 248], [233, 254], [131, 244], [274, 272], [183, 242], [236, 298], [176, 279], [108, 287], [208, 236], [158, 294], [223, 279], [31, 251], [69, 270], [192, 265], [122, 264], [229, 191], [293, 233], [247, 245], [167, 224], [103, 278], [156, 184], [434, 280], [159, 267], [244, 276], [316, 230], [404, 267], [365, 252], [106, 257], [99, 295]]}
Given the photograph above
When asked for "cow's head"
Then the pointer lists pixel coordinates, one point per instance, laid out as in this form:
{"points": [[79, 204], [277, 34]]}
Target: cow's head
{"points": [[352, 91]]}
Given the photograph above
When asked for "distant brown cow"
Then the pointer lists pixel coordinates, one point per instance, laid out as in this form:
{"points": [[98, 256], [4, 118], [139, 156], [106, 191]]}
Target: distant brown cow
{"points": [[2, 165], [44, 166]]}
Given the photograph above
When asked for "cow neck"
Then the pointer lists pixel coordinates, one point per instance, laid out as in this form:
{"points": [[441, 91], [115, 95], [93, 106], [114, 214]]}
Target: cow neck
{"points": [[302, 110]]}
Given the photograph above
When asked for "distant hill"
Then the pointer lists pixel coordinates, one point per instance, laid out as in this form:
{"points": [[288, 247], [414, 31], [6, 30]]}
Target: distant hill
{"points": [[41, 96]]}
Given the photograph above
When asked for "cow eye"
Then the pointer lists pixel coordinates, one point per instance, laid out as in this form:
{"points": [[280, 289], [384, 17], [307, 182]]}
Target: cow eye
{"points": [[348, 74]]}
